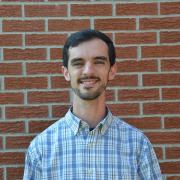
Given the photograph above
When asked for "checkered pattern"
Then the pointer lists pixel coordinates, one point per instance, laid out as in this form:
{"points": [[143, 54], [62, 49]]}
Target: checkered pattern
{"points": [[69, 150]]}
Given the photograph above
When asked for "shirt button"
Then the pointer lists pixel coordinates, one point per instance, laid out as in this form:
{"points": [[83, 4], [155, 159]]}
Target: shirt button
{"points": [[90, 145], [90, 171]]}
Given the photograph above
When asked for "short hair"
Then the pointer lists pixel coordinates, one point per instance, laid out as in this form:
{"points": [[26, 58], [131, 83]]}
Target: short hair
{"points": [[85, 35]]}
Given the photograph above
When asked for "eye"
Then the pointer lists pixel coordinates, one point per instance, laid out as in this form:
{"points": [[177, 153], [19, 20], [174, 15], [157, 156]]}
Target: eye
{"points": [[78, 64], [99, 61]]}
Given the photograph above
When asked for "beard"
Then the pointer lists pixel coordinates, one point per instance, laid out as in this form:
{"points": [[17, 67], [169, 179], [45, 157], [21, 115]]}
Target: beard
{"points": [[87, 93]]}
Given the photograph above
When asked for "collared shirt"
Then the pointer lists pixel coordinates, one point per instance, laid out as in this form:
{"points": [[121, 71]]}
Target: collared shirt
{"points": [[68, 150]]}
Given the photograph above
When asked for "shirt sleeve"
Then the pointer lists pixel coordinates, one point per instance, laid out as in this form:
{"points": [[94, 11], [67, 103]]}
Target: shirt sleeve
{"points": [[148, 168], [32, 169]]}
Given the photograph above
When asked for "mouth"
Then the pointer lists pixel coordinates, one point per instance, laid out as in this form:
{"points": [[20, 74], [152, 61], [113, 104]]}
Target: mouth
{"points": [[88, 82]]}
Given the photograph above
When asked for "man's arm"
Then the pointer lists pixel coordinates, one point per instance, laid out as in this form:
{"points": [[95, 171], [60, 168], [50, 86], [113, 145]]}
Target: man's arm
{"points": [[148, 163], [32, 170]]}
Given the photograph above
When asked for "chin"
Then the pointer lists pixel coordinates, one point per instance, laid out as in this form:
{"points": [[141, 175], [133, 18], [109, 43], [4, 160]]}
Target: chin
{"points": [[88, 96]]}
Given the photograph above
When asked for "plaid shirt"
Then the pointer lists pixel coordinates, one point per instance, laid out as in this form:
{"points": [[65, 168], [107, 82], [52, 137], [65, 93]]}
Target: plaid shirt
{"points": [[69, 150]]}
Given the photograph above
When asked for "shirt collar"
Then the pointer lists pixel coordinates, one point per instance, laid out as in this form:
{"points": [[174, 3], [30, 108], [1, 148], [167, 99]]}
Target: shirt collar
{"points": [[75, 123]]}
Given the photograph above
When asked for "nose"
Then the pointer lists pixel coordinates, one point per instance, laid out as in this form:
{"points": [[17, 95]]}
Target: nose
{"points": [[88, 69]]}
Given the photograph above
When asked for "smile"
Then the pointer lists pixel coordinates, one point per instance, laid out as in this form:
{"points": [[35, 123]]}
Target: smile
{"points": [[88, 83]]}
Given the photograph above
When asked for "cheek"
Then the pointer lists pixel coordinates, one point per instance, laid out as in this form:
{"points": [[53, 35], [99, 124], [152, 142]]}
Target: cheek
{"points": [[73, 76]]}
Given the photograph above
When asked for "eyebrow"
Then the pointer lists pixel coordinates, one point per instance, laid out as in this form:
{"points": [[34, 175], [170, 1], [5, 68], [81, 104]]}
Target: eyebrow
{"points": [[101, 57], [78, 59], [74, 60]]}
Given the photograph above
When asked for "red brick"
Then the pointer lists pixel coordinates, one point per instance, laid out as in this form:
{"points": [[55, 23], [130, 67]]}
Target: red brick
{"points": [[126, 52], [18, 142], [135, 38], [10, 11], [26, 112], [39, 126], [173, 178], [22, 0], [160, 23], [138, 94], [170, 167], [26, 83], [44, 68], [164, 137], [45, 39], [162, 108], [171, 93], [25, 54], [172, 122], [56, 53], [11, 98], [59, 82], [91, 9], [173, 152], [1, 146], [137, 66], [159, 152], [170, 37], [161, 79], [23, 25], [124, 109], [124, 80], [170, 65], [145, 122], [68, 25], [12, 127], [10, 40], [115, 24], [170, 8], [1, 173], [160, 51], [10, 69], [136, 9], [59, 111], [45, 10], [14, 172], [110, 95], [7, 158], [48, 97]]}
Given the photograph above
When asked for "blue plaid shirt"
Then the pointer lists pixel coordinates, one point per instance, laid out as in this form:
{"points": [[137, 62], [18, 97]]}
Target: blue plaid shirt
{"points": [[69, 150]]}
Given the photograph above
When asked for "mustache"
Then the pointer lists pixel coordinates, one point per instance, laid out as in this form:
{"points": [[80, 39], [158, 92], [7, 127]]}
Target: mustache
{"points": [[88, 77]]}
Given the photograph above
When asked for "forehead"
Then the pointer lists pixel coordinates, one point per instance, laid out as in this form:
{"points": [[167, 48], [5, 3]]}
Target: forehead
{"points": [[94, 47]]}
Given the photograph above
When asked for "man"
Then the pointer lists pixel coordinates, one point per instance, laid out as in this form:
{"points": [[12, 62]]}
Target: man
{"points": [[89, 142]]}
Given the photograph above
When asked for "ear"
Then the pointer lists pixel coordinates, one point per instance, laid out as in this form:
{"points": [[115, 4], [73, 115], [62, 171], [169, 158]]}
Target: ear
{"points": [[65, 72], [112, 72]]}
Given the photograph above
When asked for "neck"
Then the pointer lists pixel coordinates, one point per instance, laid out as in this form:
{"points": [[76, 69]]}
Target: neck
{"points": [[92, 112]]}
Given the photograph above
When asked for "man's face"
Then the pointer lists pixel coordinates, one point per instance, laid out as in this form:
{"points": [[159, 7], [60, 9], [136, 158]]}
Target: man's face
{"points": [[89, 69]]}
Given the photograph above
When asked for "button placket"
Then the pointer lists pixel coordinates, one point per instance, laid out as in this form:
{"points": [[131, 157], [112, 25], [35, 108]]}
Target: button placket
{"points": [[89, 146]]}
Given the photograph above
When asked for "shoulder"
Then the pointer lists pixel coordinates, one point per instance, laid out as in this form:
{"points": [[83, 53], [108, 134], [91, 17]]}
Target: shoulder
{"points": [[131, 137], [128, 131], [121, 124], [49, 135]]}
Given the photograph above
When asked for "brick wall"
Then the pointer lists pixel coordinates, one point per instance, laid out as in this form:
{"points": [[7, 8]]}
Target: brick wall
{"points": [[34, 93]]}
